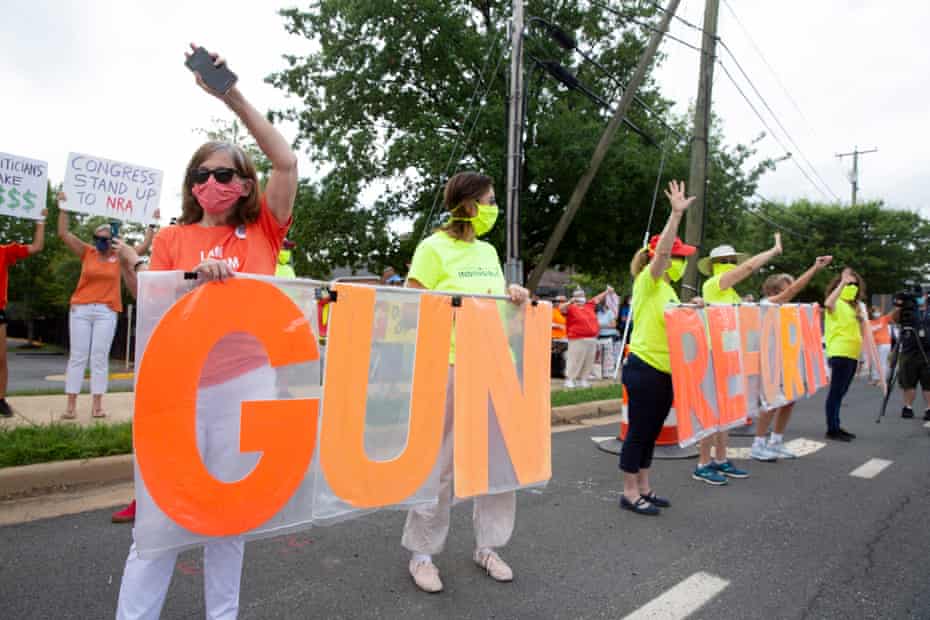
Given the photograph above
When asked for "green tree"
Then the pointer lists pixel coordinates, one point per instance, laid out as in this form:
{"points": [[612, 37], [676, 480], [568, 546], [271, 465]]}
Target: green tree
{"points": [[386, 96]]}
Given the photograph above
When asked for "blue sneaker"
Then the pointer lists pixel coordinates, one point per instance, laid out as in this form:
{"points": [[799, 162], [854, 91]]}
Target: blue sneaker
{"points": [[709, 475], [727, 469]]}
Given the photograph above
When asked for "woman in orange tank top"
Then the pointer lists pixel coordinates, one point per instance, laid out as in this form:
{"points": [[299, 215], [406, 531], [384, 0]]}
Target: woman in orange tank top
{"points": [[95, 307]]}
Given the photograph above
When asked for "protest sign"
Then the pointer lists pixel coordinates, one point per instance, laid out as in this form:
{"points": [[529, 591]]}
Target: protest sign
{"points": [[23, 185], [111, 189], [271, 443]]}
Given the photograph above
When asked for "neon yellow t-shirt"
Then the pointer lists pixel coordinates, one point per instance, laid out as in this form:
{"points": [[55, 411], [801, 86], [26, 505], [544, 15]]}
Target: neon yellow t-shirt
{"points": [[650, 341], [713, 295], [442, 263], [284, 271], [841, 327]]}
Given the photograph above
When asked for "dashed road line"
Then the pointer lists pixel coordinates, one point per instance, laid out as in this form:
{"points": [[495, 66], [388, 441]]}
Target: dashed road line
{"points": [[682, 600], [870, 469]]}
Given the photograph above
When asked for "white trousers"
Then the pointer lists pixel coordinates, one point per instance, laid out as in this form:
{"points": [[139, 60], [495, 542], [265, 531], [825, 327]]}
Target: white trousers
{"points": [[884, 350], [91, 329], [580, 358], [145, 581], [427, 526]]}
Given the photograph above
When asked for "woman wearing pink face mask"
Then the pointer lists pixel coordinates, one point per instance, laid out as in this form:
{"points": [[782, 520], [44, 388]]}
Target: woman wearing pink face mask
{"points": [[226, 226]]}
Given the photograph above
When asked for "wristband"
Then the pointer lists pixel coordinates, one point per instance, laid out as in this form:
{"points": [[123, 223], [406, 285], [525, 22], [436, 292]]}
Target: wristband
{"points": [[141, 261]]}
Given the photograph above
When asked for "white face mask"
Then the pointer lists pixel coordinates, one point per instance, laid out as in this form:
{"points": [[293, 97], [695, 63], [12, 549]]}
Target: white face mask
{"points": [[875, 315], [580, 300]]}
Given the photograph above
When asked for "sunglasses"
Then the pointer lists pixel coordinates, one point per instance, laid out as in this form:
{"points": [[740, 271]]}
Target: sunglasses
{"points": [[731, 260], [222, 175]]}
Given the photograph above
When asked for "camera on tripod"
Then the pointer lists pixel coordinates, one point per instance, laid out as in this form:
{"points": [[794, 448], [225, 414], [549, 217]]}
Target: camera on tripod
{"points": [[906, 303]]}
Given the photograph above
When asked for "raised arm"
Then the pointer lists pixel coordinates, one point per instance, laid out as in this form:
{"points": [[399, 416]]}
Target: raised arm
{"points": [[282, 183], [600, 296], [834, 295], [150, 230], [38, 237], [746, 269], [64, 219], [803, 280], [663, 253]]}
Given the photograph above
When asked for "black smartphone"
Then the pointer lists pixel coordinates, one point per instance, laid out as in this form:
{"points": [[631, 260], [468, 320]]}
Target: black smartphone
{"points": [[114, 230], [220, 79]]}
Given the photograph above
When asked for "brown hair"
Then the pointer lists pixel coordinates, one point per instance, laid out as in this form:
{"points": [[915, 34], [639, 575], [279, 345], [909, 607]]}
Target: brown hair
{"points": [[640, 260], [461, 188], [773, 284], [860, 296], [246, 210]]}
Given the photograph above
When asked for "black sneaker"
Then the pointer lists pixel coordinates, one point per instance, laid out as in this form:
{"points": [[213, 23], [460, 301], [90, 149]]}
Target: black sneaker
{"points": [[837, 436], [640, 506], [907, 413], [847, 433], [927, 415], [5, 410]]}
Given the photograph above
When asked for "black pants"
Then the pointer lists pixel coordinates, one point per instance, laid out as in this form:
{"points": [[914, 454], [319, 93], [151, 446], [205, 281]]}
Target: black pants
{"points": [[842, 372], [650, 399]]}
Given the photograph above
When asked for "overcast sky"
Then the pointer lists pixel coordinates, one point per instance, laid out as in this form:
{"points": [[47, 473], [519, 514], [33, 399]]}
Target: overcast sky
{"points": [[107, 78]]}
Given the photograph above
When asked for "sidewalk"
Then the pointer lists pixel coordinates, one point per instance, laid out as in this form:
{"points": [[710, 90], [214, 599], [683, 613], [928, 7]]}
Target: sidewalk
{"points": [[37, 410]]}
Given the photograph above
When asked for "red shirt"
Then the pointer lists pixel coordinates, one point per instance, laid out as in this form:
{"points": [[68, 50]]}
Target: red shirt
{"points": [[9, 254], [252, 248], [581, 321]]}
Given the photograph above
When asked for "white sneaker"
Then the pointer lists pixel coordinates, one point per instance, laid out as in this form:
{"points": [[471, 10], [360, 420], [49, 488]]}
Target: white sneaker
{"points": [[584, 384], [496, 567], [762, 453], [569, 384], [425, 575], [780, 449]]}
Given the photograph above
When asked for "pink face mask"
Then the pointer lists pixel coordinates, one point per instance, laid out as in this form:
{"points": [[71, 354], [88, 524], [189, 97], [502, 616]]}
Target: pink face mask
{"points": [[217, 198]]}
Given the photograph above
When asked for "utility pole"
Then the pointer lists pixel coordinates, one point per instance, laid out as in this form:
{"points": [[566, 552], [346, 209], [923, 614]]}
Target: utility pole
{"points": [[513, 267], [574, 203], [697, 177], [854, 175]]}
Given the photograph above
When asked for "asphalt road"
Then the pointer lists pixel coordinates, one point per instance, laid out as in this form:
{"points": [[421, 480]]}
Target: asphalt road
{"points": [[29, 369], [799, 539]]}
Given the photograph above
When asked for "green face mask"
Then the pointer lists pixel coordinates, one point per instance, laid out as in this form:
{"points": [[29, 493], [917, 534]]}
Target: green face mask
{"points": [[676, 269], [284, 257], [484, 221], [723, 268], [849, 292]]}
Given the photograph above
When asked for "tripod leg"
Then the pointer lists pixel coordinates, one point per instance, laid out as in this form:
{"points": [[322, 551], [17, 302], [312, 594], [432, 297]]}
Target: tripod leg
{"points": [[892, 372]]}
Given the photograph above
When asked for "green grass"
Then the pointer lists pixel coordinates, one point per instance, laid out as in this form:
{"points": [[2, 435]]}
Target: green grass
{"points": [[575, 397], [26, 445]]}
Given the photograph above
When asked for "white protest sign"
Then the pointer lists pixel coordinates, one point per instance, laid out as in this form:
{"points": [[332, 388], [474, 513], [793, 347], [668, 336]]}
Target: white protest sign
{"points": [[23, 185], [113, 189]]}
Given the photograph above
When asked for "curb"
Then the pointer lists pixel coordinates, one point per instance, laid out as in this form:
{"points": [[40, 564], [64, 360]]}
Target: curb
{"points": [[42, 477]]}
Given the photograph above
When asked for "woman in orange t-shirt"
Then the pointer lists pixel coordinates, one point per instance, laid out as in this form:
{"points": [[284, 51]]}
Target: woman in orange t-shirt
{"points": [[95, 305], [226, 226]]}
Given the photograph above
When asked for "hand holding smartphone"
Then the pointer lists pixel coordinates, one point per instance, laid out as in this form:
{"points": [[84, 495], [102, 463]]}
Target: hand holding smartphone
{"points": [[218, 78]]}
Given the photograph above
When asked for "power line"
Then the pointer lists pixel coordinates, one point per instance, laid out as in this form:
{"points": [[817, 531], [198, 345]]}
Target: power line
{"points": [[777, 121], [769, 129], [630, 18]]}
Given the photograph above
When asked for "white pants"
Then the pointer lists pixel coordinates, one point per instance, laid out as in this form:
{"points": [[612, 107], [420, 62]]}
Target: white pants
{"points": [[580, 358], [92, 327], [427, 526], [145, 581], [883, 351]]}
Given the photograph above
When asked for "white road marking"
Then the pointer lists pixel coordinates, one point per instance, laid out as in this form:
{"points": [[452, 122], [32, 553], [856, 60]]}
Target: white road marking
{"points": [[926, 424], [682, 600], [602, 439], [871, 468], [800, 446]]}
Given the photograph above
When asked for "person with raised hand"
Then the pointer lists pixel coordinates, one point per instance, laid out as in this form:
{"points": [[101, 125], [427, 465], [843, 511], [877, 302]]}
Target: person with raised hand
{"points": [[726, 268], [11, 253], [843, 333], [647, 369], [781, 288], [227, 225], [453, 259]]}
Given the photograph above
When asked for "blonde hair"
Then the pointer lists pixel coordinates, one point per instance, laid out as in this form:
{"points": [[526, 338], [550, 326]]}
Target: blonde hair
{"points": [[639, 262], [773, 284]]}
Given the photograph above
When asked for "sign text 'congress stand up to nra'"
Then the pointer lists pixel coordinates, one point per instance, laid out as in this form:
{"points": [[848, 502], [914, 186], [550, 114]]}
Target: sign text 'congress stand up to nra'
{"points": [[23, 186], [112, 189]]}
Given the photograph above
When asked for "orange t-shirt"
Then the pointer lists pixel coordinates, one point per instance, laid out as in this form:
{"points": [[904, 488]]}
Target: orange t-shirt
{"points": [[100, 280], [880, 332], [251, 248], [558, 324], [9, 254]]}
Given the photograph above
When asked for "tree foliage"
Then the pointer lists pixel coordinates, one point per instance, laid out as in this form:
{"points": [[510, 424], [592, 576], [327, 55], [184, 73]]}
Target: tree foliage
{"points": [[386, 101]]}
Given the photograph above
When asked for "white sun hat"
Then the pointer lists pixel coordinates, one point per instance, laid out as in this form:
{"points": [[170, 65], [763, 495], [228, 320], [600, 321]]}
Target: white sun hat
{"points": [[721, 251]]}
